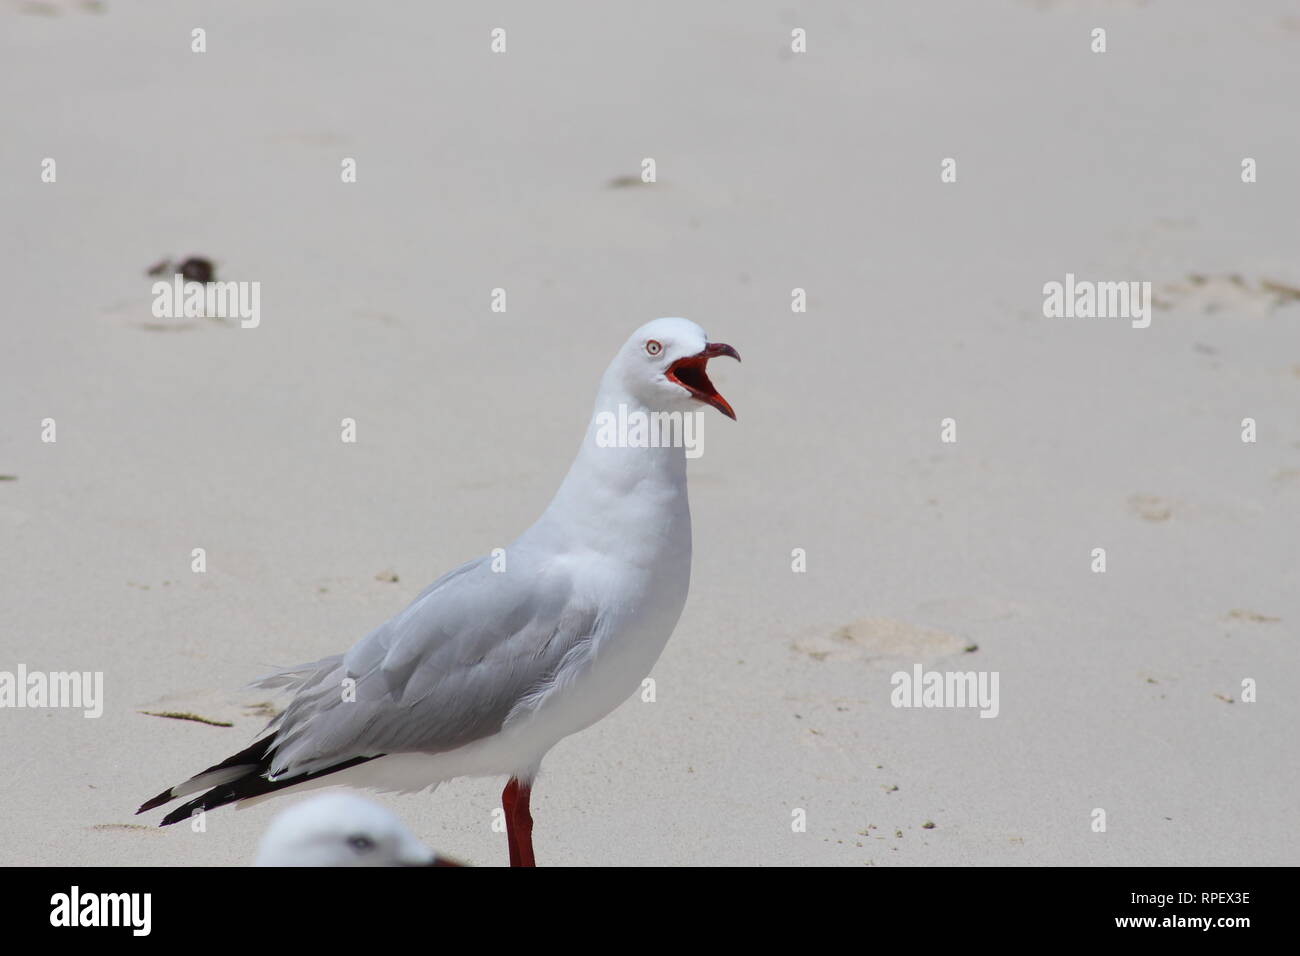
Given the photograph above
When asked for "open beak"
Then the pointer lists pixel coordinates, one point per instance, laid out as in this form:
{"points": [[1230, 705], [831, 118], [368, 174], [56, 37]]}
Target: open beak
{"points": [[690, 374]]}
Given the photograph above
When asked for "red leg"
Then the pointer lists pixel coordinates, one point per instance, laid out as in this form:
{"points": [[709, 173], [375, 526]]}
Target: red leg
{"points": [[508, 806], [519, 823], [507, 803]]}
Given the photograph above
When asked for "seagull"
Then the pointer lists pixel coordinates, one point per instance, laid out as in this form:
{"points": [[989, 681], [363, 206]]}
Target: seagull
{"points": [[342, 829], [498, 660]]}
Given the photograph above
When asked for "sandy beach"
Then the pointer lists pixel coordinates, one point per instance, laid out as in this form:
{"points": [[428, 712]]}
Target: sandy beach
{"points": [[1160, 691]]}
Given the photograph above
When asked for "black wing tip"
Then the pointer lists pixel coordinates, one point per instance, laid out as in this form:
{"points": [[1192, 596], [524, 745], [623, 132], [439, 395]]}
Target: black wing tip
{"points": [[254, 784], [158, 801], [181, 813], [216, 797], [254, 756]]}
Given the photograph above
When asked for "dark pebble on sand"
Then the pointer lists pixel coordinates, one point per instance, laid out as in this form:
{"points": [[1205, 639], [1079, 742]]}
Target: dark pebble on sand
{"points": [[196, 269]]}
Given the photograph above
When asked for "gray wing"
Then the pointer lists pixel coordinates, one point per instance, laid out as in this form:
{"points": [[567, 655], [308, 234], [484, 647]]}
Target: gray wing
{"points": [[446, 671]]}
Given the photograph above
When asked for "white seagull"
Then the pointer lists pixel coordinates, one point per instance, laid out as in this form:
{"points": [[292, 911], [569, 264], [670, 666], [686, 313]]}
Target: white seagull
{"points": [[342, 829], [497, 661]]}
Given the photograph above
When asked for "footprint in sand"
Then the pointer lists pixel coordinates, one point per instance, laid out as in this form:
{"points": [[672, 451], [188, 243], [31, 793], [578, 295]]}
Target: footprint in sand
{"points": [[1241, 614], [881, 638], [1209, 294], [1152, 508]]}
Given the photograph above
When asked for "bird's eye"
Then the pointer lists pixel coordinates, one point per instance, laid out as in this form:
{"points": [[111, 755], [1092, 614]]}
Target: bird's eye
{"points": [[361, 843], [653, 347]]}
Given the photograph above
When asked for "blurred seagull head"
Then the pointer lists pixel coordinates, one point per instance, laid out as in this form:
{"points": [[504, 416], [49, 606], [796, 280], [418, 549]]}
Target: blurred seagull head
{"points": [[341, 829]]}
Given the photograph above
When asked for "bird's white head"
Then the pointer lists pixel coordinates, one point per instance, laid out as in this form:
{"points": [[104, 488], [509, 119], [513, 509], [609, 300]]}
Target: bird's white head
{"points": [[340, 829], [664, 365]]}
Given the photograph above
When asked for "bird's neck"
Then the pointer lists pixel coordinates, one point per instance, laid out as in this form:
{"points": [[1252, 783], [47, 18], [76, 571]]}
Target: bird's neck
{"points": [[625, 481]]}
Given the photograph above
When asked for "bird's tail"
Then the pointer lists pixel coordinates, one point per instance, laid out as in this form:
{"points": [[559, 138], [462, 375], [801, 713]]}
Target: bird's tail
{"points": [[247, 774], [249, 762], [241, 777]]}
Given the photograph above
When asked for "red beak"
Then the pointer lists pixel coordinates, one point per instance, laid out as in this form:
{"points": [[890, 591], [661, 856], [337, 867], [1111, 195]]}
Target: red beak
{"points": [[690, 374]]}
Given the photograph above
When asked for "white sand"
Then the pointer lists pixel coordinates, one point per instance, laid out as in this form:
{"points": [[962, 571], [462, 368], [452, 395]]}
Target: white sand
{"points": [[775, 170]]}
